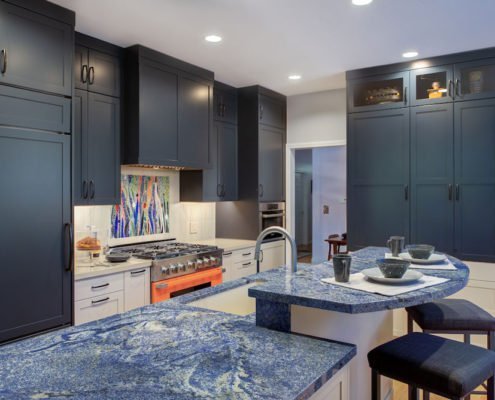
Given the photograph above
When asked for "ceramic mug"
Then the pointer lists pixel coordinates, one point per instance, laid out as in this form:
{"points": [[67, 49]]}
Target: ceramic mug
{"points": [[342, 267], [396, 245]]}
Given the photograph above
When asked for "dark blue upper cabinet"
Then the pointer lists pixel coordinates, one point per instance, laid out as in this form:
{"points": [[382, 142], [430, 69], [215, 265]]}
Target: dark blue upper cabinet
{"points": [[225, 103], [432, 176], [475, 79], [432, 85], [475, 180], [378, 92], [272, 112], [378, 177], [36, 51], [271, 163]]}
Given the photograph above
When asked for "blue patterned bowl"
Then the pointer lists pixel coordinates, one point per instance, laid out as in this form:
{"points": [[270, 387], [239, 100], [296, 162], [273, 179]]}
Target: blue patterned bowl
{"points": [[393, 268]]}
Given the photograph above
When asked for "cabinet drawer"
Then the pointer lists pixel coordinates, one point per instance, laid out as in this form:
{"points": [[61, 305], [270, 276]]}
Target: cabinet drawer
{"points": [[244, 268], [243, 255], [98, 307], [28, 109], [98, 286]]}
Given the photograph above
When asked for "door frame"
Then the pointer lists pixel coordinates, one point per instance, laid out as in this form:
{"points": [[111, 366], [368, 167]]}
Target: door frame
{"points": [[290, 179]]}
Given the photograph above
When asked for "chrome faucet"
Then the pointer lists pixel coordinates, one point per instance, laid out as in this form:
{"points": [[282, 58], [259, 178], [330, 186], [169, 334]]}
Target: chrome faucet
{"points": [[277, 229]]}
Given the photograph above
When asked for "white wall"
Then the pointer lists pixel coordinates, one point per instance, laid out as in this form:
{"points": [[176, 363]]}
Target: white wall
{"points": [[316, 117], [189, 222], [329, 188]]}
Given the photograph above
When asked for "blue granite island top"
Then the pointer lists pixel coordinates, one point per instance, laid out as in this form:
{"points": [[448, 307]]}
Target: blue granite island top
{"points": [[306, 289], [169, 351]]}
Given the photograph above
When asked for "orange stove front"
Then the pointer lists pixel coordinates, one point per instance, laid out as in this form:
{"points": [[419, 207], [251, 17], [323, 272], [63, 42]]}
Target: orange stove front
{"points": [[173, 287]]}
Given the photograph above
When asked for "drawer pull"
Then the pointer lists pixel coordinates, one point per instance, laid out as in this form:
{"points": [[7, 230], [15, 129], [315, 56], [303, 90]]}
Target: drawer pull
{"points": [[162, 286], [227, 254], [100, 301], [246, 254], [100, 286], [138, 272], [246, 264], [224, 270]]}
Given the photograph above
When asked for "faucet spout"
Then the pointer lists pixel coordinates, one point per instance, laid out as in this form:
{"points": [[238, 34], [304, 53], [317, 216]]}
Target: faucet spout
{"points": [[285, 234]]}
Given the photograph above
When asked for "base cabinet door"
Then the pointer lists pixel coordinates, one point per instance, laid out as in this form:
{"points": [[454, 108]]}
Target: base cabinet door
{"points": [[378, 177], [432, 176], [136, 288], [227, 266], [98, 307], [475, 180], [337, 388], [273, 255]]}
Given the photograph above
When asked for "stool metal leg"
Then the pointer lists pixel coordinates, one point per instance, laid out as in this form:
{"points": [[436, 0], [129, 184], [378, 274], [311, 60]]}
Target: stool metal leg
{"points": [[491, 389], [410, 324], [491, 340], [426, 395], [375, 385], [413, 393]]}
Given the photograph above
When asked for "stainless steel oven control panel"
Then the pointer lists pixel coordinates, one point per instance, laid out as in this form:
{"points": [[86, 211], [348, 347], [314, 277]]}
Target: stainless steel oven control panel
{"points": [[185, 265]]}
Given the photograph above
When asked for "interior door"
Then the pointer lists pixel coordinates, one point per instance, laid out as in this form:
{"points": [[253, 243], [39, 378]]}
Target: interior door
{"points": [[475, 179], [378, 177], [39, 50], [432, 176], [35, 289], [271, 164]]}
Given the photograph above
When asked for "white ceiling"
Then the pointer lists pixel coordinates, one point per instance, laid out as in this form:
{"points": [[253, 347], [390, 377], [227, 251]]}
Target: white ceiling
{"points": [[266, 40]]}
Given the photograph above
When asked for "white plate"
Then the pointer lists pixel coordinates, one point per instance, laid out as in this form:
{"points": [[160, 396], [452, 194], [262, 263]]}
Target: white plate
{"points": [[435, 258], [376, 275]]}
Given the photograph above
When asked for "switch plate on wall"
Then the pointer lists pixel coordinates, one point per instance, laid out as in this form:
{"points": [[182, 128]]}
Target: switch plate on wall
{"points": [[326, 209], [193, 227]]}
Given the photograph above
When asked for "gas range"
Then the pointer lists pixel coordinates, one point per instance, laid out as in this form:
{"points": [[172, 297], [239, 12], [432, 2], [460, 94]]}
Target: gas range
{"points": [[170, 259]]}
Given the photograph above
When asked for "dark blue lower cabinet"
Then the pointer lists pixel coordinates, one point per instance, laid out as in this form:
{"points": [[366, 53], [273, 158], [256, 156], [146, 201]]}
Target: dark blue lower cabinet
{"points": [[378, 177], [35, 289], [474, 127], [432, 176]]}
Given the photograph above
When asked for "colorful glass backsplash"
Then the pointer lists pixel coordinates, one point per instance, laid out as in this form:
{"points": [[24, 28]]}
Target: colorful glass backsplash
{"points": [[144, 206]]}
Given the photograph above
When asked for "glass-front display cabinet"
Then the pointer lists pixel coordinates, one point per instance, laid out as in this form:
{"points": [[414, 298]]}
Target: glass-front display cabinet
{"points": [[432, 85], [475, 80], [379, 92]]}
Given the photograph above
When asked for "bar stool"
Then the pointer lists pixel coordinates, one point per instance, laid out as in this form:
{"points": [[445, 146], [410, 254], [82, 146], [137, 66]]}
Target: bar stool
{"points": [[445, 367], [453, 316]]}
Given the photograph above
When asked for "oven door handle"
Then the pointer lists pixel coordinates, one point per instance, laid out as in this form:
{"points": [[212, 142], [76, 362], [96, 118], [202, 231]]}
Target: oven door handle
{"points": [[264, 216], [161, 285]]}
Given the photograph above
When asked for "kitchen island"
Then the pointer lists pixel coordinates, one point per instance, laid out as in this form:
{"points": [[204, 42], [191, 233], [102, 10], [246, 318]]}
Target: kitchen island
{"points": [[169, 350], [302, 303]]}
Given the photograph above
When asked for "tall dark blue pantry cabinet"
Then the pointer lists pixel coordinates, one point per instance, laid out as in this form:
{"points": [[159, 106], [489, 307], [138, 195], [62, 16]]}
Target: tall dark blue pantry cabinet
{"points": [[443, 152], [36, 42]]}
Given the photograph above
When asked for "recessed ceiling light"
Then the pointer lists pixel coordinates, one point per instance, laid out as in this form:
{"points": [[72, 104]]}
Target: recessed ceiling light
{"points": [[294, 77], [213, 38], [361, 2], [410, 54]]}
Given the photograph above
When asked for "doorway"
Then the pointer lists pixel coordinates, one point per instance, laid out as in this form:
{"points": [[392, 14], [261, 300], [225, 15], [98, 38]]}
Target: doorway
{"points": [[319, 199]]}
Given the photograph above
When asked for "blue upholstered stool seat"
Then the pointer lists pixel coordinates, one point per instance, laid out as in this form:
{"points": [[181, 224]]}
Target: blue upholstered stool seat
{"points": [[451, 315], [433, 363]]}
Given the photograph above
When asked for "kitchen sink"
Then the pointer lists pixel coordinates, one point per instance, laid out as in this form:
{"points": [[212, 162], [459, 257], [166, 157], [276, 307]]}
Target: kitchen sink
{"points": [[233, 301]]}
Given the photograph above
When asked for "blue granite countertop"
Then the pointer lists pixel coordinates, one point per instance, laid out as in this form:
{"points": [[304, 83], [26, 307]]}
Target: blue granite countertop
{"points": [[306, 289], [169, 351]]}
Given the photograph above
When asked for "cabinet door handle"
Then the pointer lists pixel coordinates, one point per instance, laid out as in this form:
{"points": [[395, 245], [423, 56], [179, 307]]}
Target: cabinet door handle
{"points": [[84, 73], [458, 88], [162, 286], [138, 272], [261, 190], [222, 193], [220, 110], [224, 270], [450, 192], [227, 254], [406, 192], [85, 189], [219, 190], [91, 189], [69, 245], [457, 192], [405, 95], [100, 301], [246, 254], [449, 88], [100, 286], [261, 112], [91, 75], [224, 108], [4, 61], [246, 264], [262, 256]]}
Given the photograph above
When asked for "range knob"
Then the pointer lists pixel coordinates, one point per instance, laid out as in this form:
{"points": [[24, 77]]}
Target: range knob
{"points": [[181, 267], [191, 265], [165, 270], [213, 261], [199, 263], [206, 262], [173, 268]]}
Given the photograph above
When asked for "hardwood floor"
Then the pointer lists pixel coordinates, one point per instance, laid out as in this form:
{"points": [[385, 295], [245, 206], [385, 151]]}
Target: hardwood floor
{"points": [[400, 393]]}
